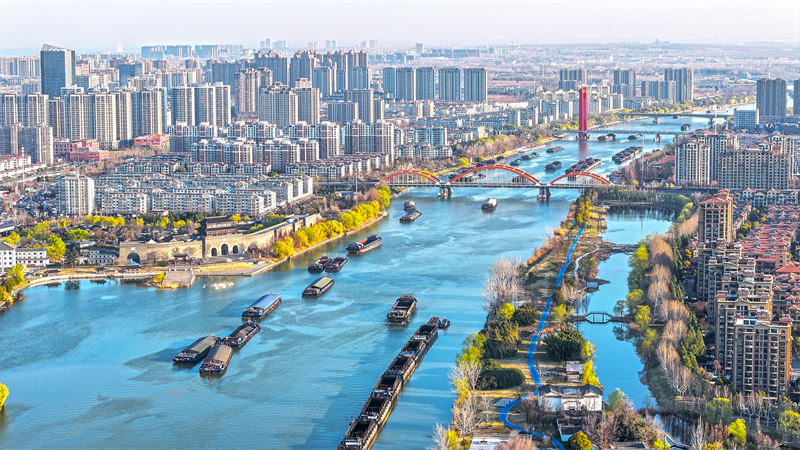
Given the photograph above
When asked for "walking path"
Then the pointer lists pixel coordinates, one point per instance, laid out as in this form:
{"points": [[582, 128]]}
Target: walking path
{"points": [[532, 349]]}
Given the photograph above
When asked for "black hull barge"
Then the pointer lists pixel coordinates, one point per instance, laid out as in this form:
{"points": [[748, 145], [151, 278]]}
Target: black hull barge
{"points": [[364, 430], [336, 264], [318, 287], [242, 334], [262, 307], [365, 245], [217, 361], [402, 309], [197, 350]]}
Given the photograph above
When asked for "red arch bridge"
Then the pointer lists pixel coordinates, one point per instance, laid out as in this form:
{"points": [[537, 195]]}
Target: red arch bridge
{"points": [[496, 176]]}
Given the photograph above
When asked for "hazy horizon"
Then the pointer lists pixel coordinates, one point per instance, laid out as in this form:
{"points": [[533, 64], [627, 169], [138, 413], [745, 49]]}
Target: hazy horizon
{"points": [[96, 26]]}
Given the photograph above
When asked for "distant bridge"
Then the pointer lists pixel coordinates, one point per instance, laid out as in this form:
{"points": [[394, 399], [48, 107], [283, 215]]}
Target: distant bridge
{"points": [[496, 176], [680, 114], [601, 317]]}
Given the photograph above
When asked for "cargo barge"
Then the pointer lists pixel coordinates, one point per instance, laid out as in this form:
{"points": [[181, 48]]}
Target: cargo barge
{"points": [[319, 265], [402, 309], [336, 264], [607, 137], [365, 245], [516, 162], [241, 335], [318, 286], [411, 216], [364, 430], [625, 155], [411, 206], [490, 204], [555, 165], [585, 165], [197, 350], [217, 360], [262, 307], [554, 149]]}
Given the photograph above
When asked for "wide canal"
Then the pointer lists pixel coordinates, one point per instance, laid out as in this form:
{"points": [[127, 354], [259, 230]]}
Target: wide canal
{"points": [[90, 367]]}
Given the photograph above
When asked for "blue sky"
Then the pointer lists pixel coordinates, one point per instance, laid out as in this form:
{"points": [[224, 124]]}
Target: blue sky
{"points": [[109, 24]]}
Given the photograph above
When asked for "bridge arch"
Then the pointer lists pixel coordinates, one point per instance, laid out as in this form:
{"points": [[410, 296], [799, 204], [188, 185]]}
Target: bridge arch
{"points": [[511, 169], [407, 176], [134, 257], [591, 175]]}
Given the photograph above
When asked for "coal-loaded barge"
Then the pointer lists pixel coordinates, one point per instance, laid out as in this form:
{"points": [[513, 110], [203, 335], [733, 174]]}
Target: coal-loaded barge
{"points": [[319, 265], [402, 309], [584, 165], [336, 264], [365, 428], [554, 149], [241, 335], [217, 361], [625, 155], [365, 245], [318, 286], [411, 216], [197, 350], [262, 307]]}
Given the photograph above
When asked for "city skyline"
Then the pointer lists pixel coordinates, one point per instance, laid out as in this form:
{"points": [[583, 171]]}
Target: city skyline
{"points": [[469, 24]]}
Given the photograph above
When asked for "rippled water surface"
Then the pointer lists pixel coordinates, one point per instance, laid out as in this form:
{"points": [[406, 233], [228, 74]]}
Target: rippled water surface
{"points": [[91, 367]]}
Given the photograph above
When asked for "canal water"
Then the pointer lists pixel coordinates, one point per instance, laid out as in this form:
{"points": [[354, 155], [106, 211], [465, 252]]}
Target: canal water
{"points": [[89, 365]]}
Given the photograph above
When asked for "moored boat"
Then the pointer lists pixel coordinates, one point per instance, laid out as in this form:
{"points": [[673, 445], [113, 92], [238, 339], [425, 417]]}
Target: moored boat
{"points": [[555, 149], [318, 286], [217, 360], [319, 265], [491, 203], [526, 157], [336, 264], [534, 155], [241, 335], [262, 307], [402, 309], [411, 216], [516, 162], [444, 323], [365, 245], [197, 350]]}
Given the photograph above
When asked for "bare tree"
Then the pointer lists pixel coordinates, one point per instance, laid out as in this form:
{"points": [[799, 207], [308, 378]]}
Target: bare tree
{"points": [[486, 405], [516, 442], [698, 437], [440, 439]]}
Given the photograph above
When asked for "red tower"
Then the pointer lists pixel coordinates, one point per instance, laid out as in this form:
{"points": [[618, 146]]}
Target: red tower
{"points": [[583, 114]]}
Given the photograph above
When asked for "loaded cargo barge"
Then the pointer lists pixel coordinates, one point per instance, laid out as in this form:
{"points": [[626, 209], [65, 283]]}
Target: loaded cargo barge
{"points": [[318, 286], [364, 430], [411, 216], [197, 350], [365, 245], [336, 264], [262, 307], [402, 309], [241, 335], [217, 360]]}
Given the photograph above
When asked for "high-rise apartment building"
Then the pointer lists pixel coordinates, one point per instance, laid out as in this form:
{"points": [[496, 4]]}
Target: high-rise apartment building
{"points": [[55, 117], [308, 103], [406, 84], [692, 163], [625, 82], [324, 79], [58, 69], [660, 90], [426, 83], [365, 99], [359, 77], [249, 84], [148, 108], [715, 218], [684, 83], [37, 142], [475, 85], [450, 84], [342, 113], [182, 105], [124, 100], [571, 79], [130, 70], [761, 356], [75, 195], [278, 104], [278, 64], [758, 166], [771, 97], [389, 80], [302, 65]]}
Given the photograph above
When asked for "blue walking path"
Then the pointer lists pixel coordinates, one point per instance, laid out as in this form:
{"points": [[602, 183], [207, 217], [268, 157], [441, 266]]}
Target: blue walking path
{"points": [[532, 348]]}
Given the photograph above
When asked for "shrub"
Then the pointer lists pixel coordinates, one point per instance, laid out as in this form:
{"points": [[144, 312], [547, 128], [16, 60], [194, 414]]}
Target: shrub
{"points": [[494, 348], [527, 315], [501, 378], [565, 345]]}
